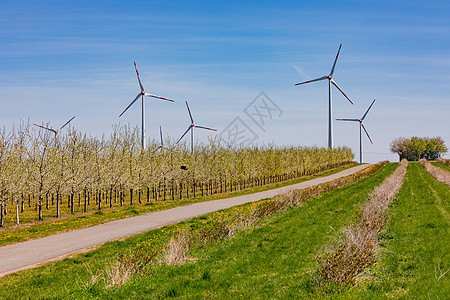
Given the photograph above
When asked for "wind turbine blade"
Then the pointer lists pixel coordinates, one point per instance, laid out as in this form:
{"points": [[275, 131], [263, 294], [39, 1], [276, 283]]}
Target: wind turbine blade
{"points": [[368, 110], [335, 84], [189, 111], [47, 128], [139, 79], [335, 60], [189, 128], [67, 123], [354, 120], [317, 79], [207, 128], [158, 97], [366, 133], [132, 102]]}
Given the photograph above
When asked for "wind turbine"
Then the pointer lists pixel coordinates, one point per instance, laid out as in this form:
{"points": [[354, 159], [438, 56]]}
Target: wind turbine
{"points": [[361, 125], [191, 128], [53, 130], [161, 135], [142, 94], [330, 109]]}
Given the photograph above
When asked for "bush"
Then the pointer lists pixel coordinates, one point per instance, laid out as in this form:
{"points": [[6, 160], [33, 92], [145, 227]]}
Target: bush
{"points": [[415, 148]]}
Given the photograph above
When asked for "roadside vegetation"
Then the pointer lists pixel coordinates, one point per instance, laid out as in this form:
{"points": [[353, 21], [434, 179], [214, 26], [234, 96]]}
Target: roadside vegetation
{"points": [[208, 266], [272, 248], [52, 225]]}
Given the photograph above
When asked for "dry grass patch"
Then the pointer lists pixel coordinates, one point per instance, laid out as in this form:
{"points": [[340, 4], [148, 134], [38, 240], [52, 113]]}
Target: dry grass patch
{"points": [[438, 173], [444, 161], [356, 252]]}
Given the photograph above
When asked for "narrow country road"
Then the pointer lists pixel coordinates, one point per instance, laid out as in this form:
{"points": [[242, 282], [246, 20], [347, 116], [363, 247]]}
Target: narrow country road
{"points": [[34, 252]]}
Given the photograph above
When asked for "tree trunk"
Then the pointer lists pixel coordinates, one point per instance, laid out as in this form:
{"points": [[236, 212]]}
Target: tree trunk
{"points": [[17, 212], [72, 206], [58, 213], [99, 200], [85, 194], [1, 215], [40, 208], [131, 196]]}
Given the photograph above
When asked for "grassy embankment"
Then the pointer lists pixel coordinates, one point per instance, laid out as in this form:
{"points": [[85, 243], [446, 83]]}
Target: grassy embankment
{"points": [[273, 259]]}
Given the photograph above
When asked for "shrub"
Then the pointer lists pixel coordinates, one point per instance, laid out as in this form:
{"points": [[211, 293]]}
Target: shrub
{"points": [[416, 148]]}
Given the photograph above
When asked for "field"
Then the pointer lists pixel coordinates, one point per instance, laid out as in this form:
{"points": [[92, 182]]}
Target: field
{"points": [[276, 257]]}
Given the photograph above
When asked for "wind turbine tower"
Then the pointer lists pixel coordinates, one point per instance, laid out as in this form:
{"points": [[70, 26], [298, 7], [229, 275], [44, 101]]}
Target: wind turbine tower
{"points": [[361, 127], [191, 128], [330, 107], [141, 95]]}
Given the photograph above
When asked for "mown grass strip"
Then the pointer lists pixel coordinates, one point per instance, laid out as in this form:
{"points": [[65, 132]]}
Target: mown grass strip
{"points": [[267, 261], [82, 220], [415, 248]]}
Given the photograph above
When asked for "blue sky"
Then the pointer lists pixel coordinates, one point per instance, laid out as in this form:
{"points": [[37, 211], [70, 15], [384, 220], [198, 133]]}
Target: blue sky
{"points": [[65, 58]]}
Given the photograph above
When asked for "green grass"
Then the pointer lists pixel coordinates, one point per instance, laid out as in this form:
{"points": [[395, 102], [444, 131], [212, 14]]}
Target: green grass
{"points": [[415, 243], [80, 220], [442, 166], [272, 260]]}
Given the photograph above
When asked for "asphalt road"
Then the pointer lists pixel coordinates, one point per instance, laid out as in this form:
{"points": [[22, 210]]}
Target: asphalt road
{"points": [[32, 253]]}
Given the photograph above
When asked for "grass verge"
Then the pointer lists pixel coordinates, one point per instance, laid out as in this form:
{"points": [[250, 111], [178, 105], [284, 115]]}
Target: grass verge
{"points": [[50, 226], [271, 260], [415, 252]]}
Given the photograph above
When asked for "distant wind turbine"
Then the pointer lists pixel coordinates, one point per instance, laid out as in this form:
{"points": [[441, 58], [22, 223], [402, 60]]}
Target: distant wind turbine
{"points": [[330, 109], [361, 125], [191, 128], [53, 130], [162, 141], [142, 94]]}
